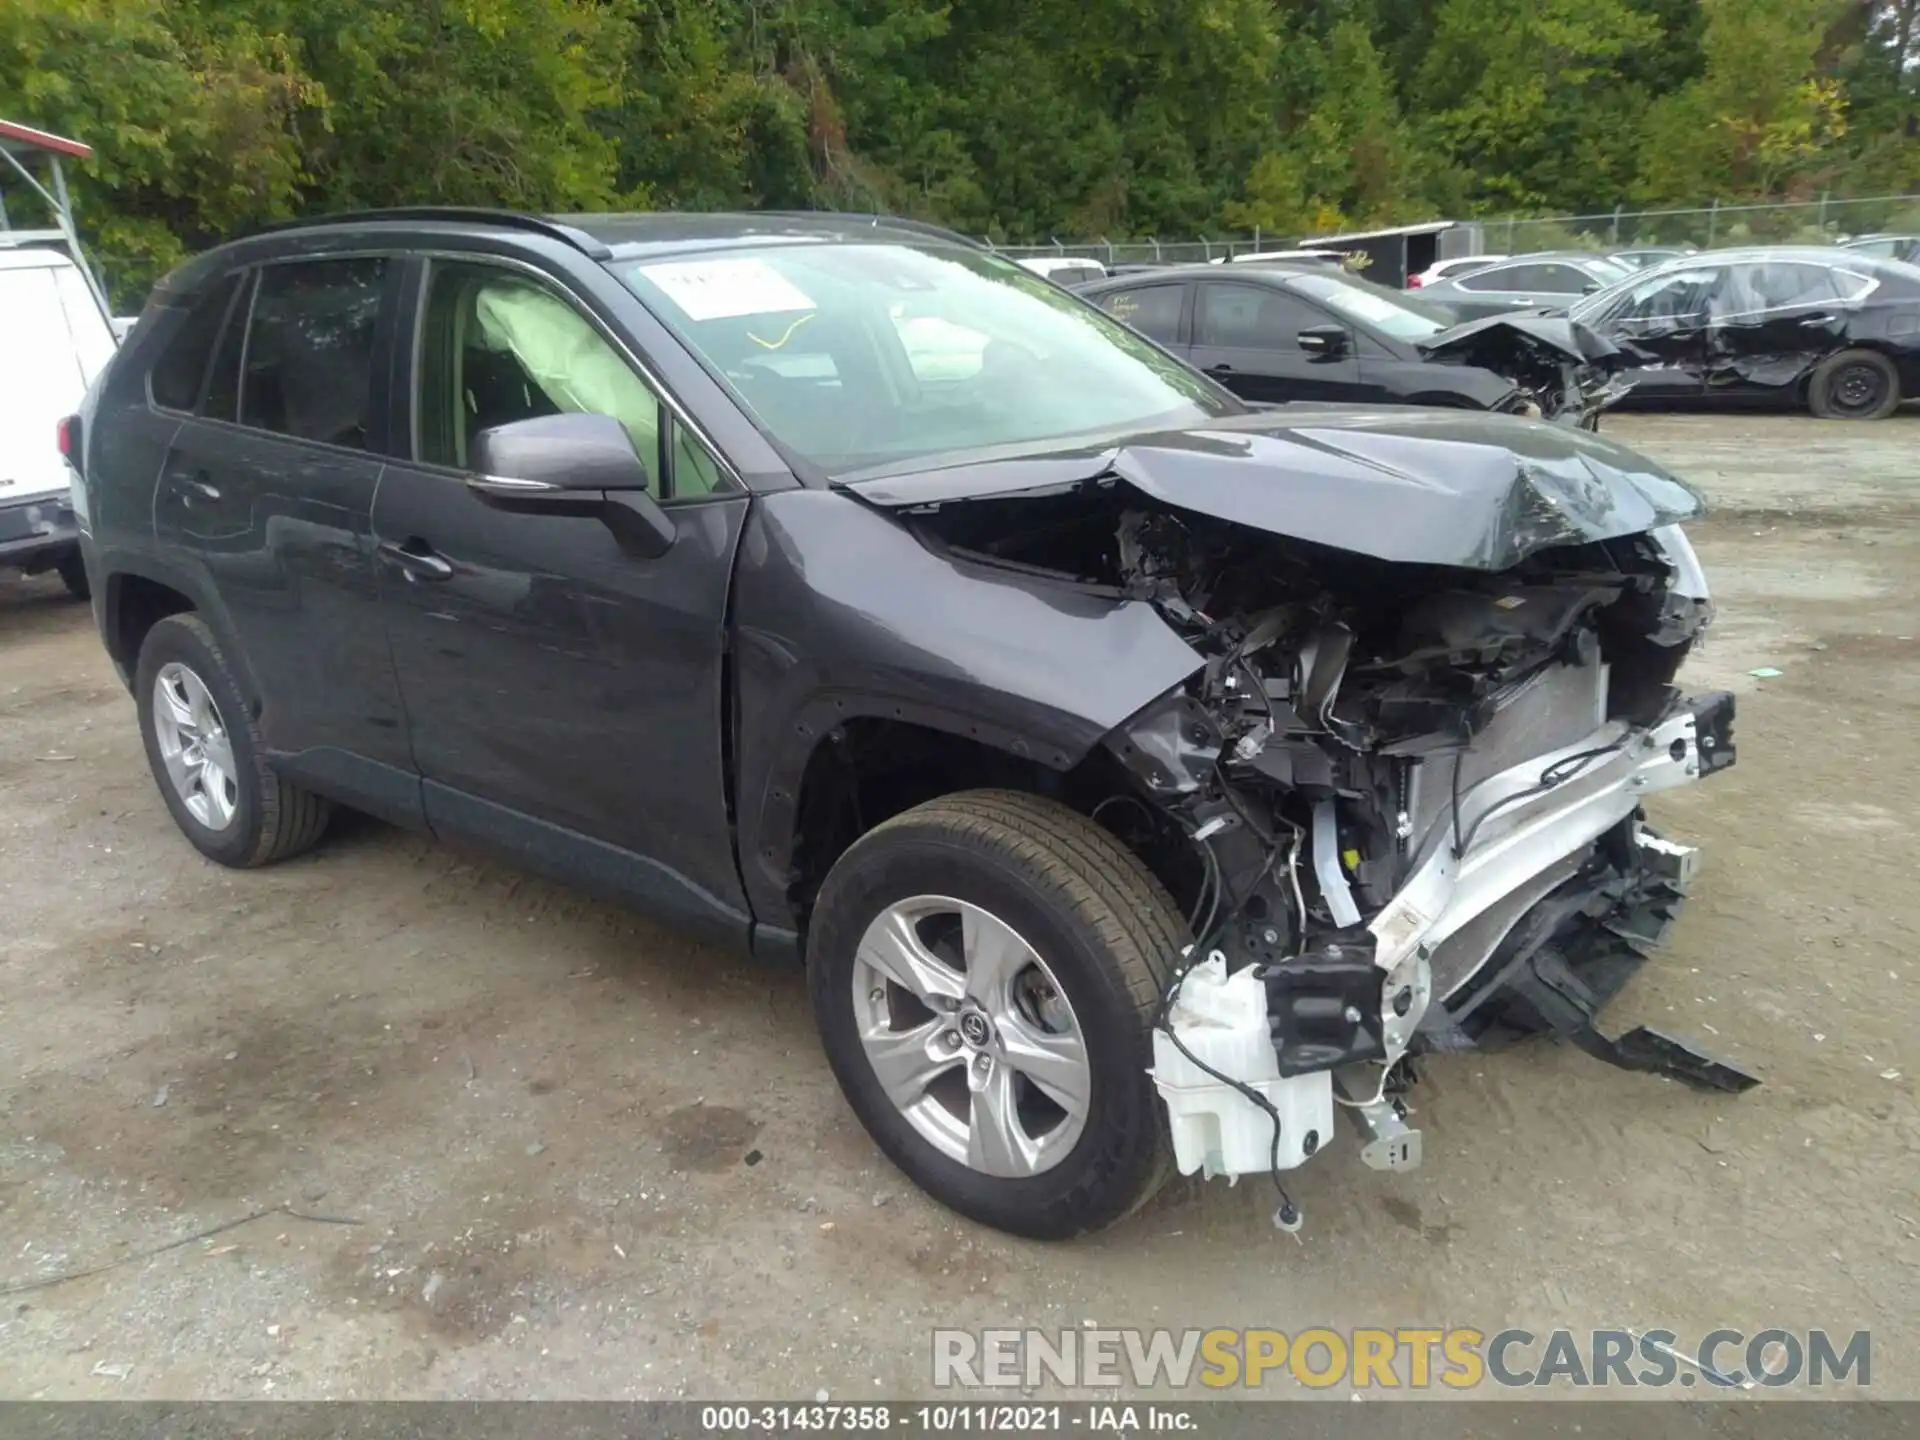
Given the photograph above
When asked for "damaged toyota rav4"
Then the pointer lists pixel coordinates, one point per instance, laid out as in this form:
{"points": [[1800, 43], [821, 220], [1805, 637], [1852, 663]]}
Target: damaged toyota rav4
{"points": [[1142, 779]]}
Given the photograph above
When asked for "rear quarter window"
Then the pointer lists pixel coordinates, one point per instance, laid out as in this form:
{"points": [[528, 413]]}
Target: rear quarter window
{"points": [[181, 369]]}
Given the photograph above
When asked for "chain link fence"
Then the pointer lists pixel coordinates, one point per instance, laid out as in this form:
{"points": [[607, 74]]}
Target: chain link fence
{"points": [[1812, 222]]}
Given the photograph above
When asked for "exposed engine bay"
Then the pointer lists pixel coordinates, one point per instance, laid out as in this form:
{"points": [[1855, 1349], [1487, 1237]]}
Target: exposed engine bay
{"points": [[1408, 796], [1561, 370]]}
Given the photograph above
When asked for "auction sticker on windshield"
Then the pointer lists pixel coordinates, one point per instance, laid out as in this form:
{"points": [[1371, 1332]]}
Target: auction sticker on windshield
{"points": [[726, 289]]}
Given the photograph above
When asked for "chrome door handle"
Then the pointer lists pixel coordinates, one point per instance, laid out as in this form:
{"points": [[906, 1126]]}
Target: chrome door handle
{"points": [[417, 560]]}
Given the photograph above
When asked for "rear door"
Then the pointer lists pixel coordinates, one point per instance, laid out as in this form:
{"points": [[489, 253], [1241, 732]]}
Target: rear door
{"points": [[1770, 321], [1247, 337], [53, 342], [265, 496], [1158, 310], [565, 696]]}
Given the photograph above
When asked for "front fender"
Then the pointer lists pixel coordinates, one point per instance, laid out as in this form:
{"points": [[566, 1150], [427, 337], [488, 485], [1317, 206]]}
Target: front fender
{"points": [[840, 612]]}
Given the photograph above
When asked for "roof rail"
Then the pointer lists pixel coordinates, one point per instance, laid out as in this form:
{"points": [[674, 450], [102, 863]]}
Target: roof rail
{"points": [[902, 222], [467, 214]]}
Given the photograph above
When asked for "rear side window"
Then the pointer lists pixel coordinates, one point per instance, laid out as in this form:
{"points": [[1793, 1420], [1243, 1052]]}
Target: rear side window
{"points": [[182, 367], [1563, 280], [1533, 279], [309, 355], [1495, 278], [1153, 310]]}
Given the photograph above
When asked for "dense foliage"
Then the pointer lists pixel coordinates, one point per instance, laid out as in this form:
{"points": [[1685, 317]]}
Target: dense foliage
{"points": [[1016, 118]]}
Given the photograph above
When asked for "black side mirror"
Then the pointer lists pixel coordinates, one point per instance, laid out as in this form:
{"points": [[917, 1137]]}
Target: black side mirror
{"points": [[581, 465], [559, 452], [1324, 342]]}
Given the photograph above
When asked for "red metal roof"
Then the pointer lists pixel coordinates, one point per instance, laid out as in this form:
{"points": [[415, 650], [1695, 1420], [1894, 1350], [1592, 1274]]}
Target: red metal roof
{"points": [[25, 137]]}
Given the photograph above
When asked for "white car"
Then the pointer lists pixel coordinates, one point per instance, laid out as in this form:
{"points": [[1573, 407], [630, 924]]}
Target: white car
{"points": [[1450, 269], [53, 341], [1332, 259], [1066, 270]]}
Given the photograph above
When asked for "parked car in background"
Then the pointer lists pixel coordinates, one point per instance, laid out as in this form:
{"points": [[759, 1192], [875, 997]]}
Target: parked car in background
{"points": [[54, 340], [1067, 270], [1550, 280], [56, 337], [1278, 333], [1450, 269], [1888, 247], [1643, 257], [1834, 330], [1066, 718]]}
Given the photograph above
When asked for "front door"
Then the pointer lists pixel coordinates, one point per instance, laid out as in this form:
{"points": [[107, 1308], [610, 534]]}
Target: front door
{"points": [[266, 494], [1247, 337], [565, 697], [1663, 320]]}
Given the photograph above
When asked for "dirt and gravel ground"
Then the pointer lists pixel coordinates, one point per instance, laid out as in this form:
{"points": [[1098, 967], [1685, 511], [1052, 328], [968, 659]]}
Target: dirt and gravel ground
{"points": [[587, 1158]]}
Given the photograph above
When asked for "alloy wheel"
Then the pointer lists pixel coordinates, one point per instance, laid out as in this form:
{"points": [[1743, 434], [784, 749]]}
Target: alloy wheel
{"points": [[971, 1036], [194, 746]]}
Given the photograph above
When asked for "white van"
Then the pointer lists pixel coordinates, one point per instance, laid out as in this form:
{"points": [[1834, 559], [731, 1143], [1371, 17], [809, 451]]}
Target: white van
{"points": [[54, 340]]}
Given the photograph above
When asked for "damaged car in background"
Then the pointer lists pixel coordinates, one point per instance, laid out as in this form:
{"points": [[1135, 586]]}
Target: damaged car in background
{"points": [[1832, 331], [1143, 778], [1275, 334]]}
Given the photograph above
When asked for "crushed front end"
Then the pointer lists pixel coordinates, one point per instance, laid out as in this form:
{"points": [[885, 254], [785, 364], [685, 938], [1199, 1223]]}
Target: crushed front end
{"points": [[1561, 371], [1400, 794], [1418, 795]]}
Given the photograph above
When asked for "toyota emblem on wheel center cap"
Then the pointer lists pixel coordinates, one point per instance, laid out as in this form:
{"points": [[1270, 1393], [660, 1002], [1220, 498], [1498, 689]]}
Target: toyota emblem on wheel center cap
{"points": [[974, 1028]]}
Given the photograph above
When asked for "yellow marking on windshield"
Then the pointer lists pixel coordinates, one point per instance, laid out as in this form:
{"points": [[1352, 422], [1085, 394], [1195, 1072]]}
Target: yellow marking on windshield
{"points": [[785, 335]]}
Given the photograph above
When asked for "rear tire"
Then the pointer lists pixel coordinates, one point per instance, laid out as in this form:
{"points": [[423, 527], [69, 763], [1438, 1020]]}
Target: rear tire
{"points": [[1854, 385], [248, 815], [72, 570], [1096, 933]]}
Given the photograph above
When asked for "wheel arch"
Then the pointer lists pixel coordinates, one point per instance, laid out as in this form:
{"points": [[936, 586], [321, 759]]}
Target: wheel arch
{"points": [[863, 764], [141, 591]]}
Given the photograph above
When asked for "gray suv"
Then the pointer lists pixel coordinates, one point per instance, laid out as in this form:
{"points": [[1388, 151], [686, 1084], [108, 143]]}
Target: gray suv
{"points": [[1132, 770]]}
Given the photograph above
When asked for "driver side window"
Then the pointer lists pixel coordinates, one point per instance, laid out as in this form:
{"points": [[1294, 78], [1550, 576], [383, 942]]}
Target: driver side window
{"points": [[497, 347], [1679, 295]]}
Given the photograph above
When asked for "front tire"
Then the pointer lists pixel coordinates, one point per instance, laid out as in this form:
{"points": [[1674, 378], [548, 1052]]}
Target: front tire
{"points": [[985, 971], [205, 752], [1854, 385]]}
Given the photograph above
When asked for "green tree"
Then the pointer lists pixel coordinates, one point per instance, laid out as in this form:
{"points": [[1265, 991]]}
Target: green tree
{"points": [[1764, 119], [194, 132]]}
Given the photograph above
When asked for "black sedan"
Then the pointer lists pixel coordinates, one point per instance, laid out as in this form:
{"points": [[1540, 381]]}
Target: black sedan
{"points": [[1279, 334], [1834, 330]]}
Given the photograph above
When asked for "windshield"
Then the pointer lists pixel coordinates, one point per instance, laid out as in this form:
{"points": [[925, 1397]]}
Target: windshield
{"points": [[854, 356], [1390, 311]]}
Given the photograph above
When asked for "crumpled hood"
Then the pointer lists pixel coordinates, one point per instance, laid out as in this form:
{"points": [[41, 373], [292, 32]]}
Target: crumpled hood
{"points": [[1430, 487], [1487, 341]]}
